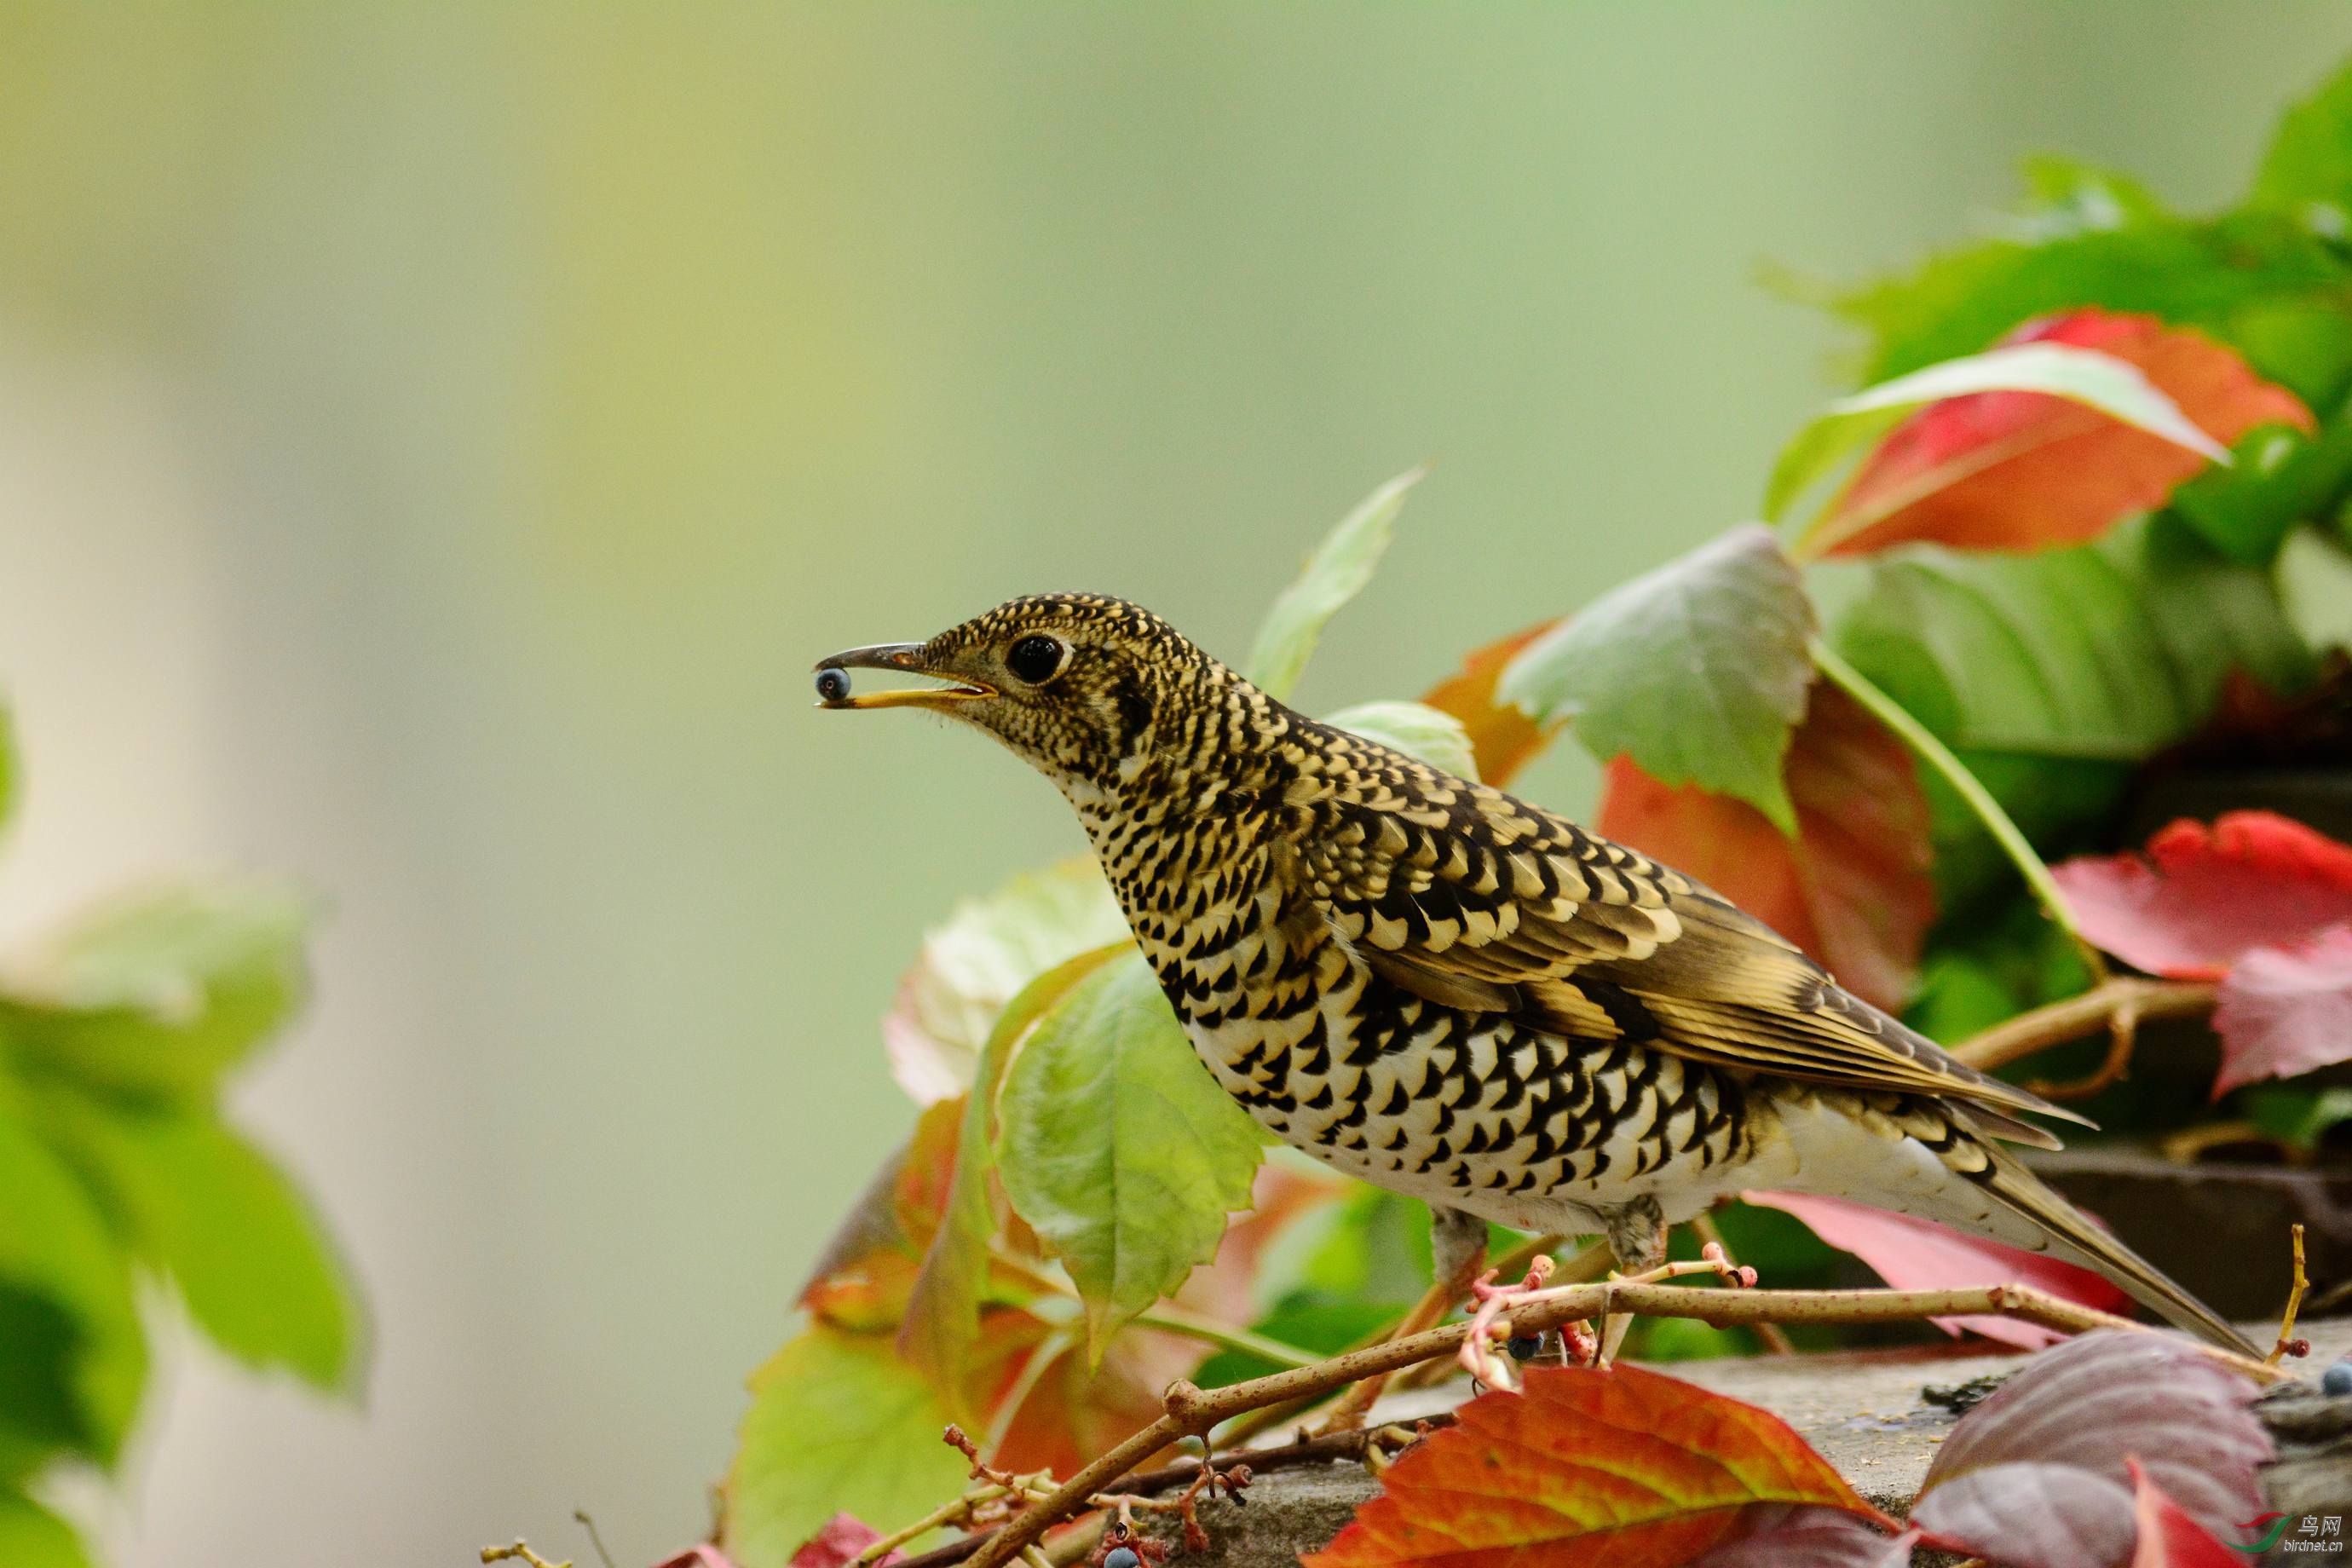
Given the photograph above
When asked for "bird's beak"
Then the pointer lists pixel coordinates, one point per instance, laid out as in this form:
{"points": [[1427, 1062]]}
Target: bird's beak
{"points": [[900, 656]]}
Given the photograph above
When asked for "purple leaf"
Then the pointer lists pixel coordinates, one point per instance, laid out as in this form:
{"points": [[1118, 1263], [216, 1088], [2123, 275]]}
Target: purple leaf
{"points": [[2061, 1433], [2030, 1515], [1789, 1535]]}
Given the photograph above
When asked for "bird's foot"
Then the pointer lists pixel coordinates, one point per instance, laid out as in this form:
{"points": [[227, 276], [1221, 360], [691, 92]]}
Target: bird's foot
{"points": [[1488, 1352]]}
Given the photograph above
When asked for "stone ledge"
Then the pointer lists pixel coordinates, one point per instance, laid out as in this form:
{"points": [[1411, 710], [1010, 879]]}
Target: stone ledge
{"points": [[1862, 1409]]}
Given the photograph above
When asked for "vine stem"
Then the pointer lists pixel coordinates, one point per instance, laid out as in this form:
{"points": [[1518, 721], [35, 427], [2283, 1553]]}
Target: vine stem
{"points": [[1969, 788], [2075, 1016], [1168, 1317], [1174, 1320]]}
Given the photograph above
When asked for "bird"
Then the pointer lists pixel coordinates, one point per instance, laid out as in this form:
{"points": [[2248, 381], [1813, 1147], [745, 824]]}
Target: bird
{"points": [[1452, 993]]}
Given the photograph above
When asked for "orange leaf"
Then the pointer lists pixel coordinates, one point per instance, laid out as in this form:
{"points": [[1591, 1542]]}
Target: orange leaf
{"points": [[2028, 470], [866, 1275], [1851, 888], [1501, 734], [1588, 1467], [1068, 1414]]}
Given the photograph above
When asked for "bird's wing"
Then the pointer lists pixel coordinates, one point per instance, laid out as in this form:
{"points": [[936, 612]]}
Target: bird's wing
{"points": [[1473, 899]]}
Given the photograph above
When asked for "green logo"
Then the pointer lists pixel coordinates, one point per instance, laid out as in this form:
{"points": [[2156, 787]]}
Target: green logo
{"points": [[2277, 1522]]}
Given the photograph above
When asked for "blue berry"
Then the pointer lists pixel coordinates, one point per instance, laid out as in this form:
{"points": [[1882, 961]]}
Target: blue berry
{"points": [[1121, 1557], [1525, 1347], [2336, 1379], [832, 685]]}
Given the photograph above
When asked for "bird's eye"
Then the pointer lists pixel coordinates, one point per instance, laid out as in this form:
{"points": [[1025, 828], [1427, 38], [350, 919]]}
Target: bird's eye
{"points": [[1036, 659]]}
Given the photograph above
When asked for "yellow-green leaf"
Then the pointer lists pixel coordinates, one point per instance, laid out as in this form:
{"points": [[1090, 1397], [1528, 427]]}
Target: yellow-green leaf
{"points": [[55, 1245], [33, 1537], [1698, 671], [979, 960], [1117, 1146], [838, 1423], [942, 1323], [1334, 574], [202, 1204], [1417, 730], [160, 995]]}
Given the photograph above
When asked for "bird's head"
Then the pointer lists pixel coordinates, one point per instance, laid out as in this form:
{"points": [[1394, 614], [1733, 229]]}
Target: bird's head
{"points": [[1077, 684]]}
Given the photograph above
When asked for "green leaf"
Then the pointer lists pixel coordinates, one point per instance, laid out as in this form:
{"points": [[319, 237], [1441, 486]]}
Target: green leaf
{"points": [[1324, 1327], [980, 958], [2111, 650], [161, 996], [2282, 478], [1697, 671], [55, 1245], [1335, 574], [942, 1322], [838, 1424], [40, 1413], [1852, 425], [1118, 1147], [1415, 729], [2211, 275], [33, 1537], [202, 1204], [2308, 170], [2298, 1115]]}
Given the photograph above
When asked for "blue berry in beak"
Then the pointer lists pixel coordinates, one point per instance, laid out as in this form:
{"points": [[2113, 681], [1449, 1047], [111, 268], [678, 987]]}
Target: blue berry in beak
{"points": [[832, 685]]}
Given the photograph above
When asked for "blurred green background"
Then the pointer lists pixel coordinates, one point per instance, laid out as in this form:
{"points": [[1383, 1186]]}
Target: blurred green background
{"points": [[436, 440]]}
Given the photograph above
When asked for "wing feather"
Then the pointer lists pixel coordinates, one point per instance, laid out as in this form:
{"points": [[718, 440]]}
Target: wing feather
{"points": [[1478, 900]]}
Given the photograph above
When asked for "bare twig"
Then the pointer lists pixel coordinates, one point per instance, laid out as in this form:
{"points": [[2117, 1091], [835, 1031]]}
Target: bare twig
{"points": [[522, 1550], [2076, 1016], [1335, 1447], [2123, 1037], [2288, 1345], [2191, 1143], [595, 1539]]}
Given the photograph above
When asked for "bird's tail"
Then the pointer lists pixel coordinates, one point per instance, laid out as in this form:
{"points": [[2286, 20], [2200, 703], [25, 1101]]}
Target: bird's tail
{"points": [[2074, 1238], [1939, 1161]]}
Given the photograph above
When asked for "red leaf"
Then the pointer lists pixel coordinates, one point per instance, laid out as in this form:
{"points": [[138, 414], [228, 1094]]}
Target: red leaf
{"points": [[2040, 1467], [844, 1536], [2168, 1538], [1920, 1254], [1502, 736], [1852, 888], [2286, 1010], [2027, 470], [2202, 896], [1589, 1466], [704, 1555]]}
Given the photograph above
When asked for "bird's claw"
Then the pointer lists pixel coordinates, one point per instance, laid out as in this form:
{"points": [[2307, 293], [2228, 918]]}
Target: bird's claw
{"points": [[1486, 1354]]}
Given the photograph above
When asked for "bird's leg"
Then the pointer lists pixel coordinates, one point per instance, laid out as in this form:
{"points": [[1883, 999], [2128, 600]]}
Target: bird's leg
{"points": [[1637, 1235], [1457, 1245]]}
